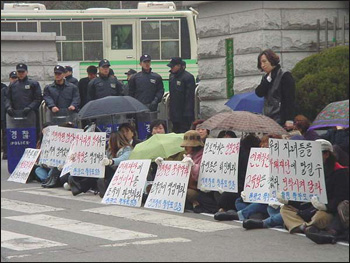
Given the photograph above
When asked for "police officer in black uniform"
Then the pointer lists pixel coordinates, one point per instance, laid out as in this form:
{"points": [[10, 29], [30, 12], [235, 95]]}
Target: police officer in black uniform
{"points": [[61, 94], [147, 86], [182, 88], [104, 85], [69, 76], [23, 94]]}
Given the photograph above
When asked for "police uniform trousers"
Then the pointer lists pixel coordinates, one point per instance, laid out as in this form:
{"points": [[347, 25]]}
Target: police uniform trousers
{"points": [[291, 220]]}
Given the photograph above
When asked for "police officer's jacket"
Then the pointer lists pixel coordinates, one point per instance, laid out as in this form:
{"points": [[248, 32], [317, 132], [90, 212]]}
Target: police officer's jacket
{"points": [[146, 87], [104, 86], [23, 93], [73, 80], [182, 88], [62, 96], [3, 94]]}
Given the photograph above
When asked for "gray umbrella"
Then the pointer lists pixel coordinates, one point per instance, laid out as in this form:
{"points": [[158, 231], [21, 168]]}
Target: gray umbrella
{"points": [[111, 105]]}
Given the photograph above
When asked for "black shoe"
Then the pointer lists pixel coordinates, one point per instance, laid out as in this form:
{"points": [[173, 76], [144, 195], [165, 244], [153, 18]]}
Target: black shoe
{"points": [[321, 237], [226, 216], [311, 229], [74, 186], [101, 186], [4, 156], [198, 209], [253, 224]]}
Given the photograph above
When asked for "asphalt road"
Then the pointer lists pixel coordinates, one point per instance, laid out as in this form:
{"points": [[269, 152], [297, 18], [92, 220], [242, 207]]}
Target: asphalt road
{"points": [[51, 225]]}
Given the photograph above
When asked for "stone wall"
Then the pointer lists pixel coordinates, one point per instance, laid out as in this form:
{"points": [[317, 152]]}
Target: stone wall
{"points": [[36, 50], [287, 27]]}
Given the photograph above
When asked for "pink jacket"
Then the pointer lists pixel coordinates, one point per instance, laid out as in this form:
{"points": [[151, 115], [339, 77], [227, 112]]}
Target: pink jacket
{"points": [[197, 159]]}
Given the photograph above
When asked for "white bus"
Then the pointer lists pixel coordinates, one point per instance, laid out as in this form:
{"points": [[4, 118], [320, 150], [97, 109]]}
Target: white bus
{"points": [[119, 35]]}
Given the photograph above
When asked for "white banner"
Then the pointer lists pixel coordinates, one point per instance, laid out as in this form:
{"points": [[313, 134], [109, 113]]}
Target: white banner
{"points": [[169, 188], [89, 148], [219, 166], [55, 144], [297, 167], [259, 186], [25, 166], [127, 184]]}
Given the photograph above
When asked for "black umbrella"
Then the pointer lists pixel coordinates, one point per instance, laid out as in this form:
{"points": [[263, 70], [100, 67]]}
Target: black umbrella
{"points": [[111, 105]]}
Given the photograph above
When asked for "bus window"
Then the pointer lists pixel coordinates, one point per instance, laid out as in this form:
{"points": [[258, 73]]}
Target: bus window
{"points": [[27, 27], [72, 51], [72, 30], [121, 37], [93, 51], [8, 26], [51, 27]]}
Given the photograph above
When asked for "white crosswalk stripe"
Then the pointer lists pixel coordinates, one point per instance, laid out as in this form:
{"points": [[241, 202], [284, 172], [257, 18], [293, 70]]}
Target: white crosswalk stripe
{"points": [[24, 207], [20, 242], [164, 219], [79, 227]]}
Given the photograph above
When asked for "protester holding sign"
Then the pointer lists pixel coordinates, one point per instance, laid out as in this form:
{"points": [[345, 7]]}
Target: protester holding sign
{"points": [[321, 215]]}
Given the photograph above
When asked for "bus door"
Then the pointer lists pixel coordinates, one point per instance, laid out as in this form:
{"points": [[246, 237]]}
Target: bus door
{"points": [[121, 46]]}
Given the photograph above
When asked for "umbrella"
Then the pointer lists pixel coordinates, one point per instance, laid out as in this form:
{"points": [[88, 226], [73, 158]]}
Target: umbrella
{"points": [[111, 105], [334, 114], [246, 102], [243, 121], [159, 145]]}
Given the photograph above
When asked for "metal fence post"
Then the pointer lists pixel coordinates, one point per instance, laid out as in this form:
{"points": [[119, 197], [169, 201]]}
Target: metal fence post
{"points": [[344, 31], [318, 35], [334, 31], [326, 33]]}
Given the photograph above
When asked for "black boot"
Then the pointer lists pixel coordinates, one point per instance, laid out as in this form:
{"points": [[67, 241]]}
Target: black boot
{"points": [[54, 181], [75, 186], [321, 237], [101, 186], [226, 216], [253, 224]]}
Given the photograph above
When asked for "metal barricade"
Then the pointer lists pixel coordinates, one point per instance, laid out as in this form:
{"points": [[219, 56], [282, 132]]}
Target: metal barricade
{"points": [[62, 116]]}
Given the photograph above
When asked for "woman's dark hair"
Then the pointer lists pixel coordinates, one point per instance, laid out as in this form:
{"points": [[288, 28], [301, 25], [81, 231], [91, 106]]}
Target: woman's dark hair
{"points": [[129, 126], [271, 56], [156, 123], [196, 123], [230, 133], [117, 140], [250, 141]]}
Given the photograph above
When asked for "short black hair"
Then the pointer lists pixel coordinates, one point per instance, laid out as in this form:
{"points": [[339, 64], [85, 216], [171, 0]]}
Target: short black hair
{"points": [[156, 123], [92, 69], [128, 126], [230, 133]]}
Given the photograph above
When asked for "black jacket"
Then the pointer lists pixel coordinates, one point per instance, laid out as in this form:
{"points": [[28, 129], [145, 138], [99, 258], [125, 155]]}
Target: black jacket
{"points": [[23, 93], [287, 89], [62, 96], [103, 87], [72, 80], [3, 92], [83, 90], [146, 87], [182, 88]]}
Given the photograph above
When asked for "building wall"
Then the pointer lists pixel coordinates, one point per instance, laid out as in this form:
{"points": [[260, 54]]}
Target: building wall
{"points": [[287, 27], [36, 50]]}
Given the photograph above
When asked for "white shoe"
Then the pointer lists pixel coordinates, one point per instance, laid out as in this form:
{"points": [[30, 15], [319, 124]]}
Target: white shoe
{"points": [[66, 186]]}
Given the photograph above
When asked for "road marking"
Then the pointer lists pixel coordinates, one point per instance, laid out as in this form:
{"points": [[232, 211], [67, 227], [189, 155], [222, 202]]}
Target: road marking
{"points": [[21, 242], [143, 215], [79, 227], [64, 194], [24, 207], [20, 189], [150, 242]]}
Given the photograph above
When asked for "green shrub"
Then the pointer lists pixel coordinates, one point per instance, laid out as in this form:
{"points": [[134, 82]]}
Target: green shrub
{"points": [[321, 79]]}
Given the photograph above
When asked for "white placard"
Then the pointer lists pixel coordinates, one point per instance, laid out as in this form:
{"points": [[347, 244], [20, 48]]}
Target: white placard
{"points": [[169, 188], [219, 166], [88, 152], [127, 184], [55, 144], [259, 186], [25, 166], [297, 167], [67, 168]]}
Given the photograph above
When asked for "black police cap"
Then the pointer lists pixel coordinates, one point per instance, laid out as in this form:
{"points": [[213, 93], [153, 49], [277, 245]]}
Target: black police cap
{"points": [[21, 67], [130, 72], [13, 74], [104, 62], [175, 61], [59, 69], [145, 57]]}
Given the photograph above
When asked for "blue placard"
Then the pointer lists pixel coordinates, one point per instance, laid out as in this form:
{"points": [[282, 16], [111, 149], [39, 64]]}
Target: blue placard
{"points": [[143, 129], [18, 139]]}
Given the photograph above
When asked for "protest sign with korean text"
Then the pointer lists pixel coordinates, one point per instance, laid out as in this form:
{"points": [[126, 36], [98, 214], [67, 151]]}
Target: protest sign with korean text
{"points": [[258, 185], [219, 166], [25, 166], [297, 167], [88, 152], [55, 144], [127, 184], [169, 187], [67, 168]]}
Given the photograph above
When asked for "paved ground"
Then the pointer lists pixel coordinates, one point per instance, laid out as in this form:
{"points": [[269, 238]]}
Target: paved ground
{"points": [[40, 224]]}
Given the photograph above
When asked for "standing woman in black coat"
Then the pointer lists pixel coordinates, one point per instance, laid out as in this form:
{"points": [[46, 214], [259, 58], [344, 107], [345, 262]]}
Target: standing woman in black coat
{"points": [[278, 88]]}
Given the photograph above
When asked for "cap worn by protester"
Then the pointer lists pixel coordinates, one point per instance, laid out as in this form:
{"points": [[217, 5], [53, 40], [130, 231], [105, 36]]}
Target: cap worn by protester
{"points": [[13, 74], [325, 145], [145, 57], [59, 69], [104, 62], [69, 68], [192, 138], [175, 61], [21, 67], [130, 72]]}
